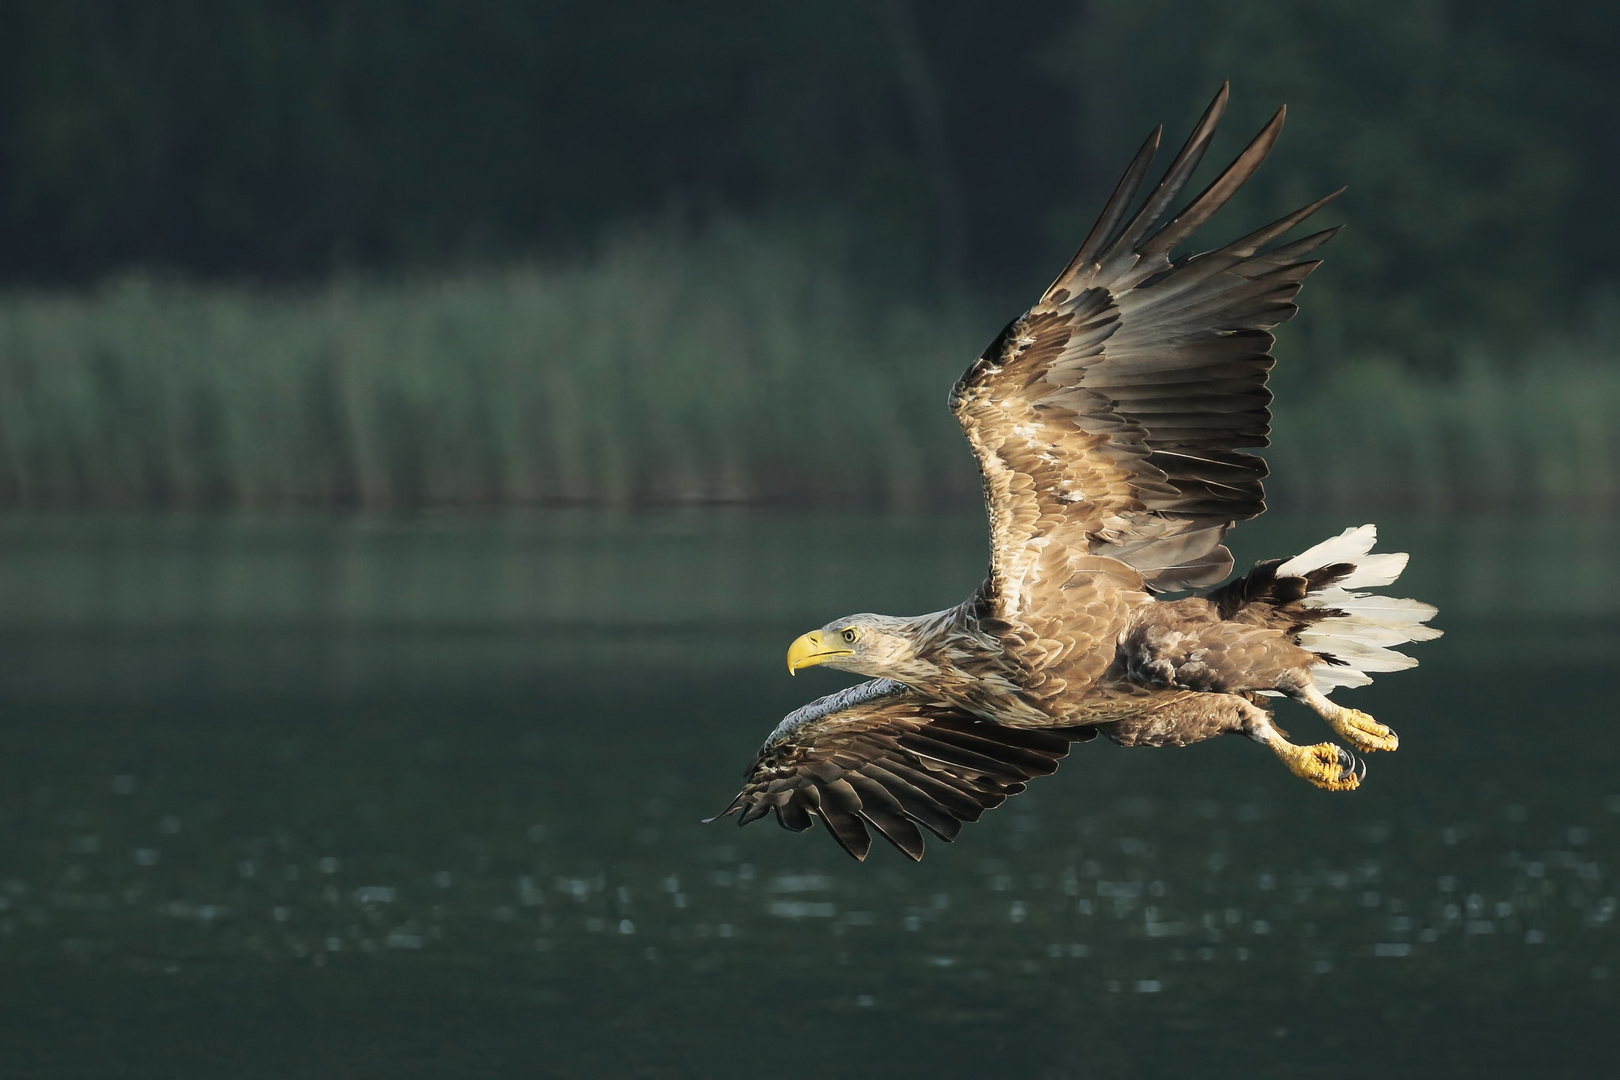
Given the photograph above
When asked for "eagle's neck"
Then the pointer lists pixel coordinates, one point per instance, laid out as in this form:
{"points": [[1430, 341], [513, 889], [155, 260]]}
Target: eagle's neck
{"points": [[954, 658], [920, 651]]}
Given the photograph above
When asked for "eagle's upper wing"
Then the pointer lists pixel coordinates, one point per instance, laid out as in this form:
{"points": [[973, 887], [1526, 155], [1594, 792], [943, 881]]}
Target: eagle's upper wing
{"points": [[1108, 418], [883, 755]]}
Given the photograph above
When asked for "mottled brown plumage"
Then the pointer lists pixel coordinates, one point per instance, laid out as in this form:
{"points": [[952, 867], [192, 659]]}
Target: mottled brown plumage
{"points": [[1110, 423]]}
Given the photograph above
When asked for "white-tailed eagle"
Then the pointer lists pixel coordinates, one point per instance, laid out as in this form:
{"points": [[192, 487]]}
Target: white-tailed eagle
{"points": [[1110, 423]]}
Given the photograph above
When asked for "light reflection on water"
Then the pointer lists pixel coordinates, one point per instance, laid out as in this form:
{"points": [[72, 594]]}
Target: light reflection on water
{"points": [[1099, 895], [406, 764]]}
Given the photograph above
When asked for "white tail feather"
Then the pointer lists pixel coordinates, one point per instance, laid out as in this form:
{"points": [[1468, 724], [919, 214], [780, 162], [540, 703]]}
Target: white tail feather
{"points": [[1376, 570], [1328, 679], [1360, 638], [1348, 546]]}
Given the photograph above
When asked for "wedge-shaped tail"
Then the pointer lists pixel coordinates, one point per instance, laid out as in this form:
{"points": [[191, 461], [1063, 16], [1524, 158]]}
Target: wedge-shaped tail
{"points": [[1360, 630]]}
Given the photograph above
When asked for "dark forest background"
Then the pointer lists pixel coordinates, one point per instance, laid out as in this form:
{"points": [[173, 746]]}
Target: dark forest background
{"points": [[164, 160]]}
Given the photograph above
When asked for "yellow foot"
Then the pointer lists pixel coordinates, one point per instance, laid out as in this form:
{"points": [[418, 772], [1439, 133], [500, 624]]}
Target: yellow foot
{"points": [[1363, 732], [1325, 765]]}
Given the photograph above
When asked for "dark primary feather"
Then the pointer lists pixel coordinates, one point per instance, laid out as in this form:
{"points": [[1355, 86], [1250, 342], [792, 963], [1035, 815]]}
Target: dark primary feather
{"points": [[1112, 417], [882, 755]]}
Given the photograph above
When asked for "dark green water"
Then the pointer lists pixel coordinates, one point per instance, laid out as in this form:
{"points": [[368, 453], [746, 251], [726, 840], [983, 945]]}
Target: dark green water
{"points": [[302, 797]]}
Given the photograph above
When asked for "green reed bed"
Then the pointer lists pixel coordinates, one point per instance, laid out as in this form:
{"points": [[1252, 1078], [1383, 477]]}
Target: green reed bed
{"points": [[1543, 432], [723, 370]]}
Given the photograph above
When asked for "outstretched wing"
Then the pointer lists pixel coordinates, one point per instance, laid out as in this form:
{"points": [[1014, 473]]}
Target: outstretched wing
{"points": [[1108, 419], [881, 754]]}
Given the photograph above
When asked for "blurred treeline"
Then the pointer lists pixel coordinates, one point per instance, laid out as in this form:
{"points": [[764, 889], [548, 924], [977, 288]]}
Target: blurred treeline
{"points": [[399, 252]]}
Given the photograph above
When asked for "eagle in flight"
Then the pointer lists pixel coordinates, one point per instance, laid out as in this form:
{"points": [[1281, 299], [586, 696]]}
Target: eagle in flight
{"points": [[1109, 422]]}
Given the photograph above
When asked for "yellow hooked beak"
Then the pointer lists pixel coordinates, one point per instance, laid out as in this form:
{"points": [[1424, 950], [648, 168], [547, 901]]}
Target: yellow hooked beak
{"points": [[810, 650]]}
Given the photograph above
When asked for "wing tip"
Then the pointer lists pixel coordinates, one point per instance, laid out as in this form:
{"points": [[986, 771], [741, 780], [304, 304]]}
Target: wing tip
{"points": [[846, 844], [736, 804]]}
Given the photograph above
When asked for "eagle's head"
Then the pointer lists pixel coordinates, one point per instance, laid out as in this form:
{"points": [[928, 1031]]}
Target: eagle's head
{"points": [[878, 646]]}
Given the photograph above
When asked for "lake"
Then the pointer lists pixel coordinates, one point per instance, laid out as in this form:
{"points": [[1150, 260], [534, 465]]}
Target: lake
{"points": [[421, 796]]}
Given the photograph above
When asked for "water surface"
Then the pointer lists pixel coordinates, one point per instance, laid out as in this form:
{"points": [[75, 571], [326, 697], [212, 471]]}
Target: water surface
{"points": [[330, 798]]}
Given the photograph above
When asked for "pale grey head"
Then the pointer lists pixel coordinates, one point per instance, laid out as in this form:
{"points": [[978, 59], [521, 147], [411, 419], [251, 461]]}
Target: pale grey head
{"points": [[874, 645]]}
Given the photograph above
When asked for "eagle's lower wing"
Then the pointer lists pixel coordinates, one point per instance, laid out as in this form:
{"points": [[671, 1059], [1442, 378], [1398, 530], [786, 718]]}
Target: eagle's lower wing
{"points": [[1107, 419], [883, 755]]}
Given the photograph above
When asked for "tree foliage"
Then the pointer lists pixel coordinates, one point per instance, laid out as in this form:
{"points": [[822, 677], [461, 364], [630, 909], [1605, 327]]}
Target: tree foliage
{"points": [[1465, 134], [955, 144]]}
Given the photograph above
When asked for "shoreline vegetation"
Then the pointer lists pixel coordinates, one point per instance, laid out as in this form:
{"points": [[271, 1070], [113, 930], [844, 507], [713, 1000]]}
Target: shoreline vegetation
{"points": [[728, 370]]}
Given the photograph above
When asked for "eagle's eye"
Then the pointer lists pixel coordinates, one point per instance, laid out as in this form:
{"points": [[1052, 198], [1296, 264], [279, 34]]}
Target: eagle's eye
{"points": [[850, 635]]}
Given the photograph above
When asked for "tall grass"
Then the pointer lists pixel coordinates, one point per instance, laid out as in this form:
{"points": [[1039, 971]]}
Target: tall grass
{"points": [[1492, 437], [726, 369], [723, 369]]}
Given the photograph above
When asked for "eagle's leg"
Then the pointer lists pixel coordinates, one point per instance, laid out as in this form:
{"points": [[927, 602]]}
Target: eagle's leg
{"points": [[1325, 765], [1354, 726], [1192, 718]]}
